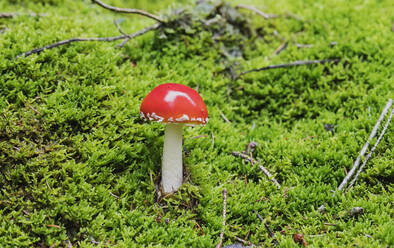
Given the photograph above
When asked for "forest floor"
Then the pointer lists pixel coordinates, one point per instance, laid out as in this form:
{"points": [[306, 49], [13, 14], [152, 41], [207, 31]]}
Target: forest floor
{"points": [[80, 168]]}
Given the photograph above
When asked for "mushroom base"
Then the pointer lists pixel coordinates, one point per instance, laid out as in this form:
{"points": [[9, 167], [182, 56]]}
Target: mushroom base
{"points": [[172, 171]]}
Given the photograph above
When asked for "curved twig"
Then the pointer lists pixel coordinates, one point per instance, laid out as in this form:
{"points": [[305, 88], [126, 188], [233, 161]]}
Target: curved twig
{"points": [[296, 63], [129, 37], [255, 10], [68, 41], [128, 11]]}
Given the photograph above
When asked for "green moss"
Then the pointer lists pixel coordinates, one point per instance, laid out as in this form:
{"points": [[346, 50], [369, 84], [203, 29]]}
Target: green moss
{"points": [[77, 164]]}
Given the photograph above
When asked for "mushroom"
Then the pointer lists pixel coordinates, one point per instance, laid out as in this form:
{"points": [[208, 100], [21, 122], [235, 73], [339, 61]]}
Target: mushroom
{"points": [[174, 105]]}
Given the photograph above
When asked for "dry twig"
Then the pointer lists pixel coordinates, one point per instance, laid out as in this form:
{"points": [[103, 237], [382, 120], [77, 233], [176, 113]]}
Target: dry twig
{"points": [[282, 47], [303, 45], [270, 233], [117, 197], [129, 37], [372, 150], [223, 116], [245, 242], [365, 147], [12, 15], [262, 168], [56, 226], [296, 63], [255, 10], [7, 15], [118, 28], [128, 11], [72, 40], [224, 218]]}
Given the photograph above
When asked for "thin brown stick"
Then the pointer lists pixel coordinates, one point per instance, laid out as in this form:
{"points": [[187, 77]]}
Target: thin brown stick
{"points": [[292, 64], [224, 218], [119, 29], [12, 15], [270, 233], [200, 136], [128, 11], [72, 40], [255, 10], [129, 37], [56, 226], [372, 150], [117, 197], [303, 45], [223, 116], [7, 15], [291, 15], [282, 47], [245, 242], [262, 168], [365, 147]]}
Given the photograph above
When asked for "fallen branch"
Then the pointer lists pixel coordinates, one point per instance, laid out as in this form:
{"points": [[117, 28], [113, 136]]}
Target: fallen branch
{"points": [[262, 168], [7, 15], [245, 242], [72, 40], [270, 233], [296, 63], [119, 28], [12, 15], [224, 218], [129, 37], [128, 11], [255, 10], [365, 147], [121, 31], [372, 150], [282, 47]]}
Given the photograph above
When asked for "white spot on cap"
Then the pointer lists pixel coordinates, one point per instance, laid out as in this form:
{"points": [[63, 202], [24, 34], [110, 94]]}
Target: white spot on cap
{"points": [[184, 117], [157, 117], [142, 115], [172, 95]]}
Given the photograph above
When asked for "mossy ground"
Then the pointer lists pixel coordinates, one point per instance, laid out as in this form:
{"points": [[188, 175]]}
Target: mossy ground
{"points": [[77, 164]]}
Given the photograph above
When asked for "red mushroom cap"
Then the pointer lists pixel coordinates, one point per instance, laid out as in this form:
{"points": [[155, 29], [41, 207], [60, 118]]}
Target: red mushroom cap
{"points": [[174, 103]]}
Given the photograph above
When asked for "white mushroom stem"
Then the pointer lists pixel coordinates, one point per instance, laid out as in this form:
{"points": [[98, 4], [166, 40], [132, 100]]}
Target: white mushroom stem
{"points": [[172, 172]]}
